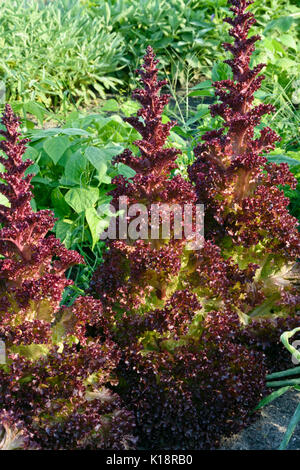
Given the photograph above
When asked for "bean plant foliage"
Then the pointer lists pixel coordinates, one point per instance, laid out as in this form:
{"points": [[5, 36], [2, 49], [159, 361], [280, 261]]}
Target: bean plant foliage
{"points": [[169, 347]]}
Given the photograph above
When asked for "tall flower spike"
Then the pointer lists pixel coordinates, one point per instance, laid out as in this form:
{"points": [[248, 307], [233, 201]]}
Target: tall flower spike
{"points": [[244, 207], [136, 269]]}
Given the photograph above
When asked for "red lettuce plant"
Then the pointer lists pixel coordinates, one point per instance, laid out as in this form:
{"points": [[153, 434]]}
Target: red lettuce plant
{"points": [[144, 273], [190, 370], [54, 385], [245, 209], [171, 309]]}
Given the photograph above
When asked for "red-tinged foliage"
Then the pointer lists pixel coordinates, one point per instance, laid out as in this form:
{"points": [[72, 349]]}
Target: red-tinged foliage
{"points": [[32, 266], [245, 211], [171, 310], [135, 270], [59, 409], [54, 386], [168, 331], [188, 393]]}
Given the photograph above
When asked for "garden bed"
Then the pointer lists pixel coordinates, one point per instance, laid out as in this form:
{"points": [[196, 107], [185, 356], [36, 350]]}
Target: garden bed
{"points": [[268, 431]]}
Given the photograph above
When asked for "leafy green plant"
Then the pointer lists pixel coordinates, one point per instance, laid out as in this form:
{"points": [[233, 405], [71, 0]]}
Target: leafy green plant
{"points": [[284, 381], [179, 31], [55, 52]]}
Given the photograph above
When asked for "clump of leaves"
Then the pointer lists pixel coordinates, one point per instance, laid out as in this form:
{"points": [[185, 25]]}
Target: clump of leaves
{"points": [[54, 381], [246, 211], [79, 55], [160, 300]]}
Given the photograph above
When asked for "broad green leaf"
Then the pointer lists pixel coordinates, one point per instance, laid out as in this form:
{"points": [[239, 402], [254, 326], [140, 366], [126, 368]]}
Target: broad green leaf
{"points": [[289, 41], [96, 224], [30, 153], [59, 203], [198, 115], [286, 63], [110, 106], [4, 201], [81, 199], [97, 157], [56, 131], [63, 231], [32, 170], [129, 107], [221, 71], [55, 147], [75, 169], [36, 109], [125, 170], [280, 158], [100, 158], [201, 85], [74, 131], [283, 24], [204, 92], [265, 401]]}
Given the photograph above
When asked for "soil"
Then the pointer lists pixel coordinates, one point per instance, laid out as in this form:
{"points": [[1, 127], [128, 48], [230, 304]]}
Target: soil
{"points": [[268, 431]]}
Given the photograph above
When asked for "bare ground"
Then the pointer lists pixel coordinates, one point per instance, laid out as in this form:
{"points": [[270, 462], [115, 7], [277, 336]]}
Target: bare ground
{"points": [[267, 432]]}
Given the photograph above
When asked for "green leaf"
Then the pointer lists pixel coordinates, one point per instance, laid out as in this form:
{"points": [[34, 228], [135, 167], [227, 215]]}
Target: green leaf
{"points": [[55, 147], [99, 158], [56, 131], [31, 351], [75, 169], [201, 85], [59, 203], [4, 201], [30, 153], [96, 224], [81, 199], [283, 24], [110, 106], [221, 71], [198, 115], [63, 231], [289, 41], [74, 131], [36, 109], [206, 92], [280, 158], [33, 169], [125, 170], [129, 108], [265, 401]]}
